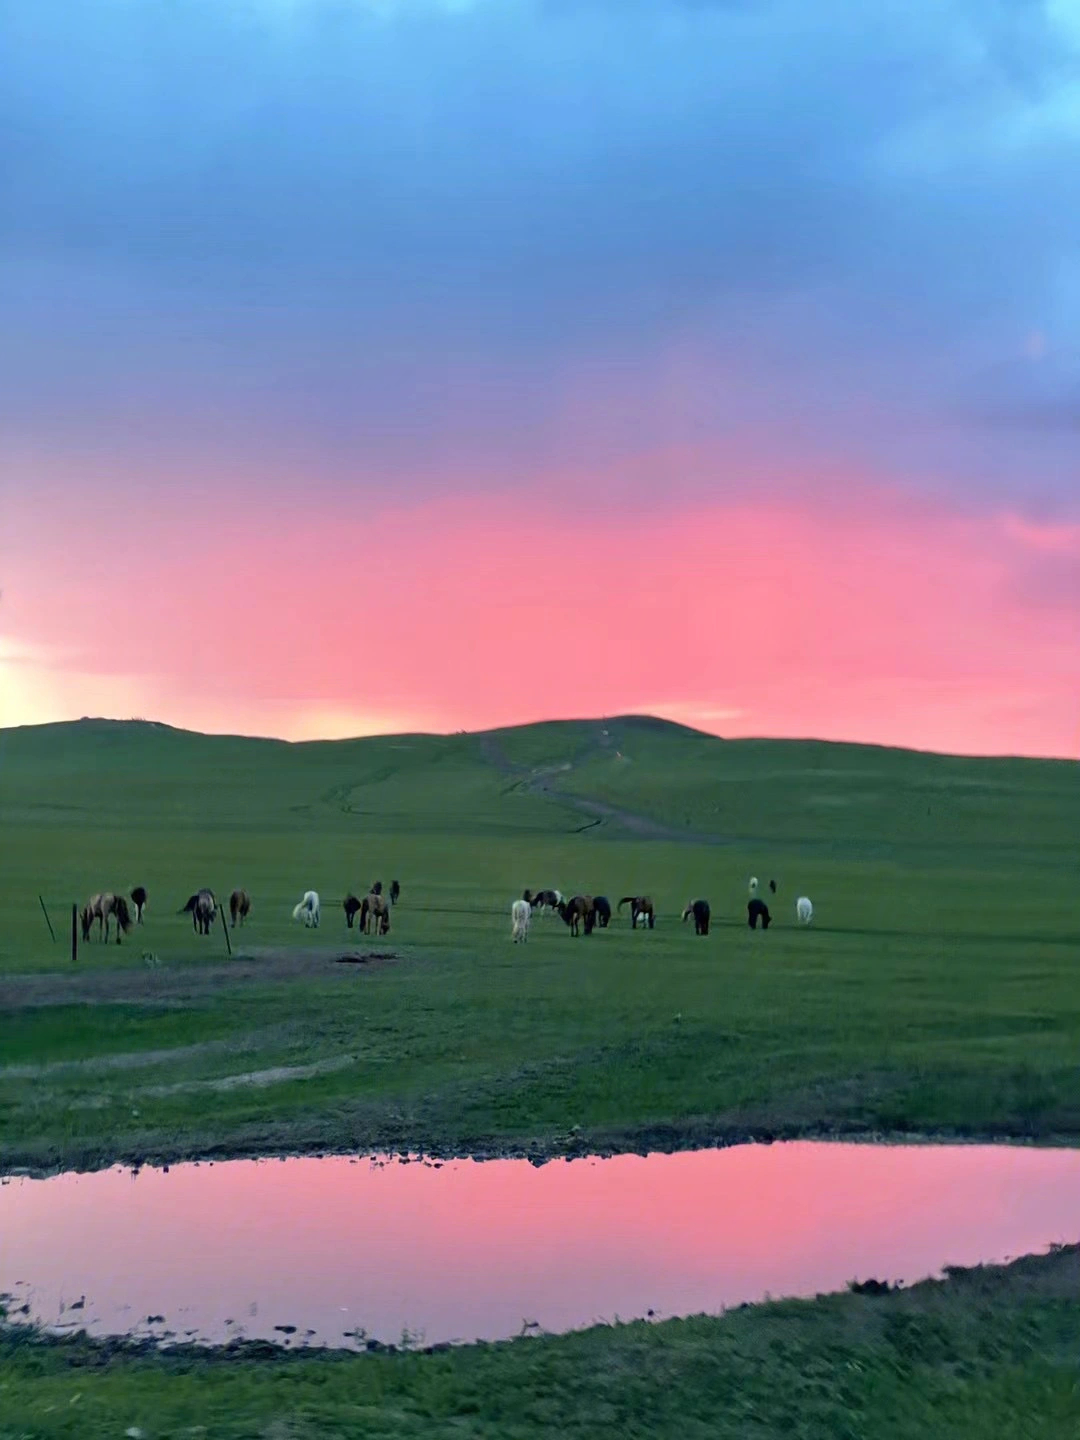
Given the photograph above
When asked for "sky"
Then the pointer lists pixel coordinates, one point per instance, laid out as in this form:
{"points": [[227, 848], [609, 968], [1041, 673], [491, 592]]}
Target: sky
{"points": [[377, 365]]}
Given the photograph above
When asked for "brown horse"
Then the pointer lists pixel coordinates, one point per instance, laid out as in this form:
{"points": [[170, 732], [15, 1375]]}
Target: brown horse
{"points": [[138, 899], [641, 908], [701, 913], [239, 904], [395, 892], [90, 912], [352, 907], [202, 907], [578, 911]]}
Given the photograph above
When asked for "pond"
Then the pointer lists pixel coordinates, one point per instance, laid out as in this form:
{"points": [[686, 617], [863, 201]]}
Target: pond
{"points": [[335, 1251]]}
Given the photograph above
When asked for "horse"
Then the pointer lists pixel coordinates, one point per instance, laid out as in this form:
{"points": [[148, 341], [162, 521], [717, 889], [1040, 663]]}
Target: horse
{"points": [[376, 907], [138, 898], [700, 911], [520, 914], [124, 922], [90, 912], [543, 900], [239, 904], [395, 892], [602, 906], [753, 886], [804, 911], [772, 886], [352, 907], [202, 906], [376, 889], [308, 909], [757, 910], [101, 908], [641, 908], [578, 911]]}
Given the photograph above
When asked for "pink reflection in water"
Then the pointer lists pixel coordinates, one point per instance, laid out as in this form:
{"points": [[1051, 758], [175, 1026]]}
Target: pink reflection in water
{"points": [[465, 1250]]}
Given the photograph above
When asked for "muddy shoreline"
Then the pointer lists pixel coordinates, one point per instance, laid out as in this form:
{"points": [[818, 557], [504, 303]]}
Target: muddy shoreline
{"points": [[419, 1149]]}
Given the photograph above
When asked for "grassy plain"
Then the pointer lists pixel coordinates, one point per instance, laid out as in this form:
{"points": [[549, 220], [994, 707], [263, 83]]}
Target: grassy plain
{"points": [[935, 993]]}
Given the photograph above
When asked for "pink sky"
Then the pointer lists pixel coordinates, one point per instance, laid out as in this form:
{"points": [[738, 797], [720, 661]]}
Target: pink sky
{"points": [[873, 618]]}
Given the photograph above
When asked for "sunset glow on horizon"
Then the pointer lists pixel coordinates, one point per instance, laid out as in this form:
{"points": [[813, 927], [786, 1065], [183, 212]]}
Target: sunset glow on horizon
{"points": [[430, 366]]}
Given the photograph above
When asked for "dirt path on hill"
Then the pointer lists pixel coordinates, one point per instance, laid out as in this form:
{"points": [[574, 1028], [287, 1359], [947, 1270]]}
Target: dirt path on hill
{"points": [[542, 781]]}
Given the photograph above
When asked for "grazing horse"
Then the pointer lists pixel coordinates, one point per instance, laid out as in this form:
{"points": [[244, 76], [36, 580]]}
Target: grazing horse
{"points": [[578, 911], [772, 886], [376, 889], [804, 911], [641, 908], [202, 906], [757, 910], [375, 908], [352, 907], [101, 908], [701, 912], [239, 904], [602, 907], [90, 912], [138, 899], [520, 915], [543, 900], [395, 892], [753, 886], [308, 909]]}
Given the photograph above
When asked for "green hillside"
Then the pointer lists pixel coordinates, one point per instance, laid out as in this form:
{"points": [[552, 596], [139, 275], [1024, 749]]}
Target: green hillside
{"points": [[935, 990]]}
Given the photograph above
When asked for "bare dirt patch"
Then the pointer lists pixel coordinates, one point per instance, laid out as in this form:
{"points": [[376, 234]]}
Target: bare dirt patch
{"points": [[274, 1075], [180, 984]]}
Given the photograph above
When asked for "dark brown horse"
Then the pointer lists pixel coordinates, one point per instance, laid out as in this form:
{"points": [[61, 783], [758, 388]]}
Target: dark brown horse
{"points": [[757, 910], [641, 908], [239, 904], [352, 907], [700, 911], [202, 907], [395, 892], [138, 899], [578, 911], [602, 907]]}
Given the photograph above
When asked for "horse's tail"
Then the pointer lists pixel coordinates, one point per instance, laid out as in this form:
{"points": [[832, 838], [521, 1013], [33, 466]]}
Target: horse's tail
{"points": [[189, 907]]}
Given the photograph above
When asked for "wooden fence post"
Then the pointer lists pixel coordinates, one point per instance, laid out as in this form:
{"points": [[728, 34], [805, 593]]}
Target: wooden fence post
{"points": [[48, 922], [74, 933], [228, 942]]}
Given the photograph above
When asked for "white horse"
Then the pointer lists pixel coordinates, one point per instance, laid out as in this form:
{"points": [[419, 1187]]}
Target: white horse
{"points": [[520, 914], [804, 910], [753, 885], [308, 909]]}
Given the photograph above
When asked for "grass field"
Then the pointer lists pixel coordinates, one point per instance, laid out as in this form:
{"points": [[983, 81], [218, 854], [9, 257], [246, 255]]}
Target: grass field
{"points": [[936, 991]]}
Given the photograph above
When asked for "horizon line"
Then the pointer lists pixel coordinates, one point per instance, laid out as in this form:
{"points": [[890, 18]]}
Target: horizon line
{"points": [[533, 724]]}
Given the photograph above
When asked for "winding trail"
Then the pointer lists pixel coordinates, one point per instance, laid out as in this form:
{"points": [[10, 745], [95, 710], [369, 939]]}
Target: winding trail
{"points": [[540, 780]]}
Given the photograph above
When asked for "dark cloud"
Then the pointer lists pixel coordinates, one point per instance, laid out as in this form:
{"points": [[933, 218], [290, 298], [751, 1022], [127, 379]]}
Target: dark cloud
{"points": [[397, 235]]}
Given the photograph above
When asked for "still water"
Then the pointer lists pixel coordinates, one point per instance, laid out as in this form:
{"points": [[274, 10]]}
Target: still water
{"points": [[466, 1250]]}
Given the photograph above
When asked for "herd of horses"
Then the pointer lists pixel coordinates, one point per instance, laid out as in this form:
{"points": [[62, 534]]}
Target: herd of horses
{"points": [[583, 913], [373, 912]]}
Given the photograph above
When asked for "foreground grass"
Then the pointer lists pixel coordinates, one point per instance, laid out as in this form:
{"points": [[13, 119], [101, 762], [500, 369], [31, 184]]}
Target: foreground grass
{"points": [[935, 993], [989, 1354]]}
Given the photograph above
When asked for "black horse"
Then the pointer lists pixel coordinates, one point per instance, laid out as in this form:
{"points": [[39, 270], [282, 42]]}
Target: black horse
{"points": [[602, 911], [757, 910], [700, 911]]}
